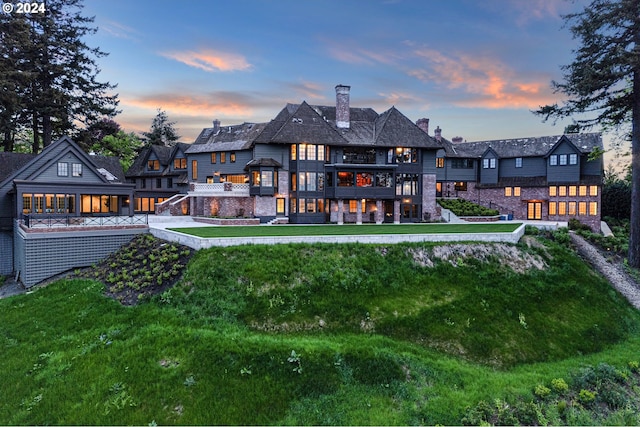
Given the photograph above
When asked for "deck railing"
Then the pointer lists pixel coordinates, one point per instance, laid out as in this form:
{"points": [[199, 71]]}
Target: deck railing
{"points": [[221, 189], [57, 221]]}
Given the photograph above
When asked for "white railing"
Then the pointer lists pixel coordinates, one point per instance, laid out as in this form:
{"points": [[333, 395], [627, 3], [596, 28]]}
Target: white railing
{"points": [[56, 221], [221, 189]]}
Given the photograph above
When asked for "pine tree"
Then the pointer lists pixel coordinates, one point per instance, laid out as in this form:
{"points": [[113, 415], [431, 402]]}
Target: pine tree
{"points": [[162, 131], [603, 82], [53, 85]]}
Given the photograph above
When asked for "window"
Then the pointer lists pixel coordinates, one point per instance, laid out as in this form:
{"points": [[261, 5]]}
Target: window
{"points": [[63, 169], [439, 162], [573, 190], [593, 190], [153, 165], [518, 162], [223, 157], [294, 205], [572, 208], [266, 178], [181, 163], [562, 208], [460, 163], [460, 186], [302, 205], [234, 179], [320, 182], [158, 182], [492, 163], [402, 155], [563, 159], [516, 191], [353, 206], [582, 208], [320, 156], [255, 178], [194, 169], [573, 159], [562, 191], [485, 163], [488, 163], [214, 157], [553, 160], [553, 208], [311, 152], [311, 205], [302, 152], [507, 191], [232, 157], [76, 169], [582, 190], [345, 179], [553, 191], [406, 184], [280, 206], [364, 179], [512, 191], [293, 151], [593, 208], [294, 182], [26, 203]]}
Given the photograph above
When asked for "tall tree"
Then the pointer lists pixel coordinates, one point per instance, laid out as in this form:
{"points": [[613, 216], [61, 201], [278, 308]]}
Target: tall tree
{"points": [[603, 82], [52, 81], [162, 131]]}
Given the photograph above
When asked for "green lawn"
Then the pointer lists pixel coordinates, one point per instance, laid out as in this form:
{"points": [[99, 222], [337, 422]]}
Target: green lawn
{"points": [[345, 230]]}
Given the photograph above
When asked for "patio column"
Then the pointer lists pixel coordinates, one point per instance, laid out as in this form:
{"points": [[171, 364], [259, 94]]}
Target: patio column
{"points": [[340, 211], [379, 212], [359, 212], [396, 211]]}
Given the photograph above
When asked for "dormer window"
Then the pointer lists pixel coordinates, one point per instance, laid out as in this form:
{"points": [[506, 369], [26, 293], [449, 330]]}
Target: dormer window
{"points": [[573, 159], [76, 169], [153, 165], [180, 163]]}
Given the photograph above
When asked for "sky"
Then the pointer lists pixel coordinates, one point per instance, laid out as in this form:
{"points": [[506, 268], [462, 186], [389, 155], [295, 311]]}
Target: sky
{"points": [[475, 68]]}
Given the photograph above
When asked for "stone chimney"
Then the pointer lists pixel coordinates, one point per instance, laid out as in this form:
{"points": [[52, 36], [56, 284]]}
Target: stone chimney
{"points": [[423, 124], [438, 133], [342, 106], [216, 126], [457, 139]]}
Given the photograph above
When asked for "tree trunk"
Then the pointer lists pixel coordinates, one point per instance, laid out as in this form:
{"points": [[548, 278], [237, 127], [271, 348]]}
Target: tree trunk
{"points": [[634, 237], [8, 141], [35, 147], [46, 131]]}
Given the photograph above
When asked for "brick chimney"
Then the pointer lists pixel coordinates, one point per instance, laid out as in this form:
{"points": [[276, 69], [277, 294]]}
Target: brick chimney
{"points": [[342, 106], [423, 124], [438, 133], [457, 139], [216, 126]]}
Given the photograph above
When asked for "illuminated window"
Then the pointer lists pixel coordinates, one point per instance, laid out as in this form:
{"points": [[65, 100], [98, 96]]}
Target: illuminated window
{"points": [[460, 186], [345, 179], [572, 208], [255, 178], [440, 162], [320, 156], [562, 208], [516, 191], [311, 152], [593, 190], [294, 181], [302, 206], [353, 206], [582, 190], [181, 163], [311, 205], [562, 191], [63, 169], [573, 190], [266, 178], [302, 152], [153, 165], [507, 191], [582, 208], [593, 208], [194, 169], [553, 191], [214, 157], [26, 203], [293, 151], [223, 157], [294, 205], [232, 157], [553, 208], [280, 206]]}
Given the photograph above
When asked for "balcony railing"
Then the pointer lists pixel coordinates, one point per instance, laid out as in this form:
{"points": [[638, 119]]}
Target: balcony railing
{"points": [[223, 189], [63, 221]]}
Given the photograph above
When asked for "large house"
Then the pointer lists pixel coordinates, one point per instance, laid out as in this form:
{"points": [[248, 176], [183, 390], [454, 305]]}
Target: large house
{"points": [[319, 164], [61, 209]]}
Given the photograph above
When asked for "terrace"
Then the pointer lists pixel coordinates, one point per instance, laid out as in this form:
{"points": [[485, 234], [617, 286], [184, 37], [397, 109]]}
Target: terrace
{"points": [[63, 222], [222, 189]]}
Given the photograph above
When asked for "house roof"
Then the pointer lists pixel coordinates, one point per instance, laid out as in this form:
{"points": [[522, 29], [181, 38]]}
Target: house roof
{"points": [[226, 138], [12, 162], [263, 162], [165, 156], [522, 147], [111, 165]]}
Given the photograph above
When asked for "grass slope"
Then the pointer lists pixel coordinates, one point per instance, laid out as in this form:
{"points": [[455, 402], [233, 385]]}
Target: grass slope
{"points": [[312, 334]]}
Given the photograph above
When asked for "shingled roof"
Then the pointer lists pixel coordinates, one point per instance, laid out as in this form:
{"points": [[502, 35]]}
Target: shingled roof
{"points": [[522, 147], [226, 138], [12, 162]]}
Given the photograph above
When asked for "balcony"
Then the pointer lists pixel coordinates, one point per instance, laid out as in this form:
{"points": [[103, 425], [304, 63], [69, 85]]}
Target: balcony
{"points": [[66, 221], [219, 189]]}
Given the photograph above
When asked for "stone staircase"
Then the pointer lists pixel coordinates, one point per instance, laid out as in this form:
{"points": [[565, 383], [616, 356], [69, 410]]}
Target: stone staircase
{"points": [[279, 220]]}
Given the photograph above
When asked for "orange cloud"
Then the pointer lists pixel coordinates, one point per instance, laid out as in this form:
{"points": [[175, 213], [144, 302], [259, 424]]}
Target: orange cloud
{"points": [[210, 60], [486, 81], [220, 104]]}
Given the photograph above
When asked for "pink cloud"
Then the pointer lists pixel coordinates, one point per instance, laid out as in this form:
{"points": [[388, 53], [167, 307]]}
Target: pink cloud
{"points": [[210, 60], [214, 105]]}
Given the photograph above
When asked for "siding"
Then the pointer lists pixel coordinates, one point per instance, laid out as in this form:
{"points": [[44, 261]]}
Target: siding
{"points": [[277, 152], [531, 166], [429, 161], [489, 176], [206, 168], [50, 173], [564, 173], [48, 254], [6, 253]]}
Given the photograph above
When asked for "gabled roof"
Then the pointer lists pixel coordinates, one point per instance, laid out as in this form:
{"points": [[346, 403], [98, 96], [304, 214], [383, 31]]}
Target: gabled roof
{"points": [[306, 125], [394, 129], [227, 138], [263, 162], [12, 162], [524, 147], [111, 165]]}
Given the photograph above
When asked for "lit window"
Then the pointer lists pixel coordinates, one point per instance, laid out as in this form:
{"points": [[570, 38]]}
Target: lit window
{"points": [[573, 159], [573, 190], [562, 191], [563, 159], [311, 152], [440, 162], [353, 206], [582, 208], [294, 182], [223, 157], [516, 191], [194, 169], [302, 206], [518, 162], [562, 208], [311, 205], [294, 205], [507, 191], [153, 165], [302, 151], [63, 169], [582, 191], [553, 191], [293, 151], [266, 178], [320, 156], [593, 190], [76, 169], [593, 208], [232, 157], [180, 163], [553, 206], [553, 160], [460, 186], [214, 157], [572, 208]]}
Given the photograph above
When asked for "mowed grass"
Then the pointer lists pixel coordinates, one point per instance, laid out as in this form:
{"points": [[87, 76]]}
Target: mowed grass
{"points": [[345, 229], [311, 335]]}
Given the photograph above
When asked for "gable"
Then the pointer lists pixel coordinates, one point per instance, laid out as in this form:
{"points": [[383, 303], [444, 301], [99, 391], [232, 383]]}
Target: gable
{"points": [[306, 125], [564, 146], [67, 167]]}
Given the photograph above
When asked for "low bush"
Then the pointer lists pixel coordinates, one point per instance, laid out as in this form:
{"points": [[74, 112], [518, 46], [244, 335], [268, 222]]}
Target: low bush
{"points": [[462, 207]]}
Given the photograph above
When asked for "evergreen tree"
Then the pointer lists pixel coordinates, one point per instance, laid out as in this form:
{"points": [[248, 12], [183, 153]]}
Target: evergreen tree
{"points": [[162, 131], [603, 81], [48, 74]]}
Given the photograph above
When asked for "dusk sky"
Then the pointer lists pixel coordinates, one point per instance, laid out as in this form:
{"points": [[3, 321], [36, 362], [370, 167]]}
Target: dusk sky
{"points": [[476, 68]]}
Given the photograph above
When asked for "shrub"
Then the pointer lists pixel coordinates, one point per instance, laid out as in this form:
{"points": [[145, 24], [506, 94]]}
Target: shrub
{"points": [[541, 391], [587, 397], [559, 385], [463, 207]]}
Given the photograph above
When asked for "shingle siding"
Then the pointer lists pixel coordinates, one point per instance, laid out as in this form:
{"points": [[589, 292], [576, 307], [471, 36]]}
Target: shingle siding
{"points": [[6, 253]]}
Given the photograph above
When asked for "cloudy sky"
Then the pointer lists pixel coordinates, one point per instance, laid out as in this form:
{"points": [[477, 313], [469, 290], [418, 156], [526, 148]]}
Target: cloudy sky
{"points": [[476, 68]]}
